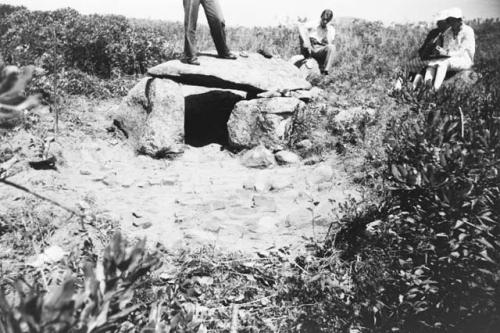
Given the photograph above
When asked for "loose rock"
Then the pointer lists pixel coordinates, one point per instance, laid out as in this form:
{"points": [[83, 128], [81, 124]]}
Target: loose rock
{"points": [[299, 217], [320, 174], [264, 203], [286, 157], [258, 157]]}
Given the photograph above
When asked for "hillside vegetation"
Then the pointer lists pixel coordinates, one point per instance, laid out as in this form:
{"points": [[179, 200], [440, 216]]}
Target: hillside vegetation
{"points": [[421, 252]]}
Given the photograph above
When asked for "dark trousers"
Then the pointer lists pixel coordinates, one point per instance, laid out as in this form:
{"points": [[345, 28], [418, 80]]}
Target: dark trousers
{"points": [[215, 22], [323, 54]]}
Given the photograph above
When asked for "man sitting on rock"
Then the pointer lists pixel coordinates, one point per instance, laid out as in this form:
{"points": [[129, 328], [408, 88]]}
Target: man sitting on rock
{"points": [[316, 41], [217, 29], [457, 53]]}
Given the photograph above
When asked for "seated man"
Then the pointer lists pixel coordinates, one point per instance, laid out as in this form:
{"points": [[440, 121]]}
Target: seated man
{"points": [[316, 41], [457, 53], [428, 51]]}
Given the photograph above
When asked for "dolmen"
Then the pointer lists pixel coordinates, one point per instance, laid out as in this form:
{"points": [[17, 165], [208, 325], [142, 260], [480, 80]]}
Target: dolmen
{"points": [[239, 103]]}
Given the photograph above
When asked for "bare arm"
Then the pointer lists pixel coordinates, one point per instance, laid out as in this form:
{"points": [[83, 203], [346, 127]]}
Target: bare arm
{"points": [[330, 36], [304, 35]]}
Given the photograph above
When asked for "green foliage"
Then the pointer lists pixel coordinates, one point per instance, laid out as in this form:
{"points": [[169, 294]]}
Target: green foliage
{"points": [[99, 305], [427, 258], [95, 44]]}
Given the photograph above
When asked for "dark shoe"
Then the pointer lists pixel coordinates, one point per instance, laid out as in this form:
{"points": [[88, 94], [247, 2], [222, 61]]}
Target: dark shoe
{"points": [[324, 72], [193, 61], [230, 56], [265, 53]]}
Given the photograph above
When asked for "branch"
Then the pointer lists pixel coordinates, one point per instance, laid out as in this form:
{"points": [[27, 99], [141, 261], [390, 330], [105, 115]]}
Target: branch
{"points": [[55, 203]]}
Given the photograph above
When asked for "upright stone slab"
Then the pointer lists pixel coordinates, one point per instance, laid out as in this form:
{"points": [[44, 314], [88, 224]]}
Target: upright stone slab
{"points": [[152, 116], [253, 74], [266, 120]]}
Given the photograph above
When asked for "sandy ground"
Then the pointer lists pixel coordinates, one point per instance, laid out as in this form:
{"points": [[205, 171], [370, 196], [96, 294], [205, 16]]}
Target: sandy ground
{"points": [[204, 197]]}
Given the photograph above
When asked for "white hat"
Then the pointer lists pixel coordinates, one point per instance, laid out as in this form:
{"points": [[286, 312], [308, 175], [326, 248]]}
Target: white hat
{"points": [[455, 12], [441, 15]]}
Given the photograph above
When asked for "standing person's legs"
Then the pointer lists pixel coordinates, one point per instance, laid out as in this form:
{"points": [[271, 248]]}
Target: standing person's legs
{"points": [[217, 25], [191, 8]]}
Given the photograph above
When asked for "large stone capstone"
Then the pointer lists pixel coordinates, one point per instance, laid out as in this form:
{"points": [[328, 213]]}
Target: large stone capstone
{"points": [[253, 74], [266, 121], [152, 117]]}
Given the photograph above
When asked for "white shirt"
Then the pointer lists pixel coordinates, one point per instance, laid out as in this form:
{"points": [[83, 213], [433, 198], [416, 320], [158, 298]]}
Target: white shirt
{"points": [[323, 35], [463, 44]]}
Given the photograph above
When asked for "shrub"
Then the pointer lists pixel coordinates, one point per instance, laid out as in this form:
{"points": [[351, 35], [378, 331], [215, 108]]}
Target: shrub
{"points": [[427, 258], [100, 304]]}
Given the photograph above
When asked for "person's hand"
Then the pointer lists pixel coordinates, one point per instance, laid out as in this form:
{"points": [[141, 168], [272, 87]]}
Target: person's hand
{"points": [[441, 51]]}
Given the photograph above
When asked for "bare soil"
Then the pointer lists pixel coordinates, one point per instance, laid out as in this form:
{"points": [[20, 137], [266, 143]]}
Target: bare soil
{"points": [[203, 197]]}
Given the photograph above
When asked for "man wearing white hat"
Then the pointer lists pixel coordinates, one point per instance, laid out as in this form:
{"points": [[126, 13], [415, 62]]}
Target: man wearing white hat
{"points": [[458, 50]]}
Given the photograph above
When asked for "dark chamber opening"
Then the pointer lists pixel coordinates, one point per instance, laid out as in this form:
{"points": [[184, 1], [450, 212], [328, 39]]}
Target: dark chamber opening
{"points": [[206, 117]]}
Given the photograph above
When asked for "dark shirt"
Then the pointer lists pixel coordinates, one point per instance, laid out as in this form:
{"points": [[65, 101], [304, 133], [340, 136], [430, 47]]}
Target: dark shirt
{"points": [[428, 50]]}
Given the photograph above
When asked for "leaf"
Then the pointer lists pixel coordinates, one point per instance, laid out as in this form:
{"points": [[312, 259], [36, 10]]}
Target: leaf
{"points": [[396, 173], [60, 296], [124, 313], [483, 241], [100, 320], [485, 255]]}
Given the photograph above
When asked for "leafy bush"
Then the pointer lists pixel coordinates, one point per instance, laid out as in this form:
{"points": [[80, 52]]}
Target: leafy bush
{"points": [[426, 259], [99, 304]]}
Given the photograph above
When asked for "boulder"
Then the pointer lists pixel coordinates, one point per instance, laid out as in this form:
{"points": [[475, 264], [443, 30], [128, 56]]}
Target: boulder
{"points": [[299, 217], [349, 116], [254, 73], [304, 144], [462, 80], [287, 157], [307, 95], [266, 120], [207, 111], [322, 173], [308, 67], [258, 157], [152, 117]]}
